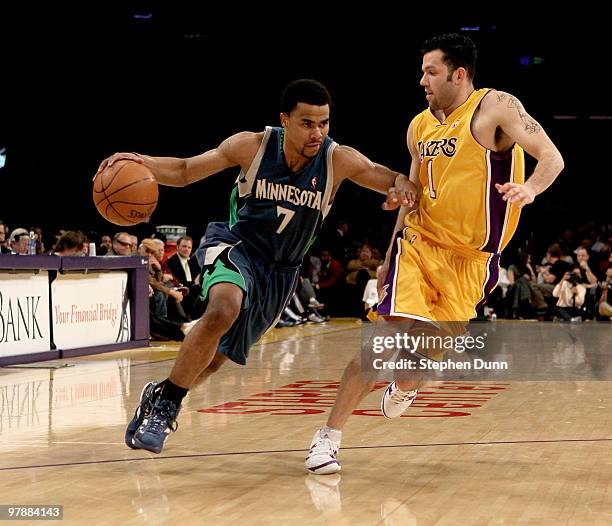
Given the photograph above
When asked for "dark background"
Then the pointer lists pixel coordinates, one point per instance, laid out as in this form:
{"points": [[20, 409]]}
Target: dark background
{"points": [[83, 83]]}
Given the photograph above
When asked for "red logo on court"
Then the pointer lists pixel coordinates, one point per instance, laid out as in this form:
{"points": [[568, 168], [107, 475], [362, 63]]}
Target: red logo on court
{"points": [[311, 397]]}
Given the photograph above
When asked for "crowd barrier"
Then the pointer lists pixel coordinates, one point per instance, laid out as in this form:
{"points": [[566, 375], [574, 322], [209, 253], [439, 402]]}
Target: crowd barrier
{"points": [[57, 307]]}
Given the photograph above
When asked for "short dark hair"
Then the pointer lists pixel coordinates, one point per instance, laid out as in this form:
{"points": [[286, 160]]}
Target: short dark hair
{"points": [[307, 91], [183, 238], [459, 51]]}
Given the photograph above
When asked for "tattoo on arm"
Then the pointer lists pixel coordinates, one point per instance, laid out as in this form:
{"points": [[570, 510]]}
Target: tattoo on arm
{"points": [[530, 125]]}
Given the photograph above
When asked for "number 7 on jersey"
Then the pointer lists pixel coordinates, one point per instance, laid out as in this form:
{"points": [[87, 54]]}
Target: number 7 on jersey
{"points": [[287, 216]]}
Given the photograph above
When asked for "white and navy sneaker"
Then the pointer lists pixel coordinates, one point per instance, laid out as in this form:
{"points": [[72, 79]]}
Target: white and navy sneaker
{"points": [[147, 402], [323, 456], [156, 426], [395, 401]]}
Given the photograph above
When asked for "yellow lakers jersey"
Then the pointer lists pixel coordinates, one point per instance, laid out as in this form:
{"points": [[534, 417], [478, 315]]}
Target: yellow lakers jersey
{"points": [[460, 207]]}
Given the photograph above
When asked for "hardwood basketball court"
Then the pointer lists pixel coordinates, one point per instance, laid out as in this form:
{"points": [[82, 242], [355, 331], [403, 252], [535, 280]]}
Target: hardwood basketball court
{"points": [[466, 452]]}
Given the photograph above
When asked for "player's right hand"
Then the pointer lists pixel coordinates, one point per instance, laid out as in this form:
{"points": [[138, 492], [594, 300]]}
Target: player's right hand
{"points": [[124, 156], [403, 193]]}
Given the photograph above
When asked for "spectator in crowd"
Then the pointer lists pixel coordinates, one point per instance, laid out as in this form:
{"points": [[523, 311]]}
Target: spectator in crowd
{"points": [[582, 261], [604, 308], [186, 270], [329, 287], [571, 295], [4, 234], [296, 312], [106, 245], [524, 298], [376, 255], [85, 249], [167, 298], [40, 246], [168, 277], [121, 245], [604, 261], [163, 329], [360, 271], [311, 267], [134, 241], [18, 241], [555, 263], [70, 244], [182, 266], [370, 294], [362, 268]]}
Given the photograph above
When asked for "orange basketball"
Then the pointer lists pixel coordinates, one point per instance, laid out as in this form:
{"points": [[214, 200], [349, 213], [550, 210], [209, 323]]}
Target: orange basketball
{"points": [[126, 193]]}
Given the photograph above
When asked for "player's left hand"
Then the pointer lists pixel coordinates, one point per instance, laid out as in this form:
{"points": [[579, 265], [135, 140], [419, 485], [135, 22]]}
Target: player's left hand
{"points": [[517, 194]]}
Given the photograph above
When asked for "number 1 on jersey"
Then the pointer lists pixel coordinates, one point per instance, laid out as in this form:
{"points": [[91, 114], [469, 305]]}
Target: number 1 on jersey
{"points": [[432, 190], [287, 216]]}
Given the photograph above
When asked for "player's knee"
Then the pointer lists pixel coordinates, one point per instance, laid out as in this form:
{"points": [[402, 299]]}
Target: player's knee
{"points": [[221, 313], [354, 367]]}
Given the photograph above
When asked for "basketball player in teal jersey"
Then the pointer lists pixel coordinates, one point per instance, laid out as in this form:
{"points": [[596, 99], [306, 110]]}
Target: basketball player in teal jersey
{"points": [[287, 182]]}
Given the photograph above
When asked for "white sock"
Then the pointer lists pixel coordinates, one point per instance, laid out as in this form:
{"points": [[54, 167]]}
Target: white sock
{"points": [[334, 434]]}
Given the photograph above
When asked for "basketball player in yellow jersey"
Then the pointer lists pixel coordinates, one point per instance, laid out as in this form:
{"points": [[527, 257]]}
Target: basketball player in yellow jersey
{"points": [[468, 169]]}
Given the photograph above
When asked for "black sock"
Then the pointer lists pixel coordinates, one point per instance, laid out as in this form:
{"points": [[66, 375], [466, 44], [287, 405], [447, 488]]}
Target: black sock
{"points": [[168, 391]]}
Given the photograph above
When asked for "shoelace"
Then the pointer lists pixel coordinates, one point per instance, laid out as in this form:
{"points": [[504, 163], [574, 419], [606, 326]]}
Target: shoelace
{"points": [[399, 397], [163, 418], [324, 443]]}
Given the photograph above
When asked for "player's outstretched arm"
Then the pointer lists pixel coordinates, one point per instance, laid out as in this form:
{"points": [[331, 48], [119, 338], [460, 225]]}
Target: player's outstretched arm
{"points": [[352, 164], [174, 171], [527, 133]]}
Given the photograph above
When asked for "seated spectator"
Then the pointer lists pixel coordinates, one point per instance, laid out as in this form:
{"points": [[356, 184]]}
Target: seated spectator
{"points": [[582, 262], [370, 294], [305, 312], [364, 262], [18, 241], [160, 254], [311, 267], [134, 240], [163, 329], [525, 299], [557, 265], [163, 290], [570, 294], [4, 234], [360, 271], [329, 288], [121, 245], [70, 244], [604, 308], [106, 245], [186, 271]]}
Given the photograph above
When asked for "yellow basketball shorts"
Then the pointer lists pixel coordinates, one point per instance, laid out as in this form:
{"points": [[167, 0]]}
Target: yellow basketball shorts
{"points": [[434, 284]]}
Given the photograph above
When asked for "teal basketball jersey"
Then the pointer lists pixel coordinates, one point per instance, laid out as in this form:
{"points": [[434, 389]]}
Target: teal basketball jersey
{"points": [[276, 212]]}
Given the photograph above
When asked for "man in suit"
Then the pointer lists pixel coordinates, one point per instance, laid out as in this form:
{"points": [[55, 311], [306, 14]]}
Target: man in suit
{"points": [[186, 270]]}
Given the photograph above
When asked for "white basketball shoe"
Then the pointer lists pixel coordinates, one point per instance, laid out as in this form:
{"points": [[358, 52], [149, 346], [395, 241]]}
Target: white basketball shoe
{"points": [[322, 458], [395, 401]]}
